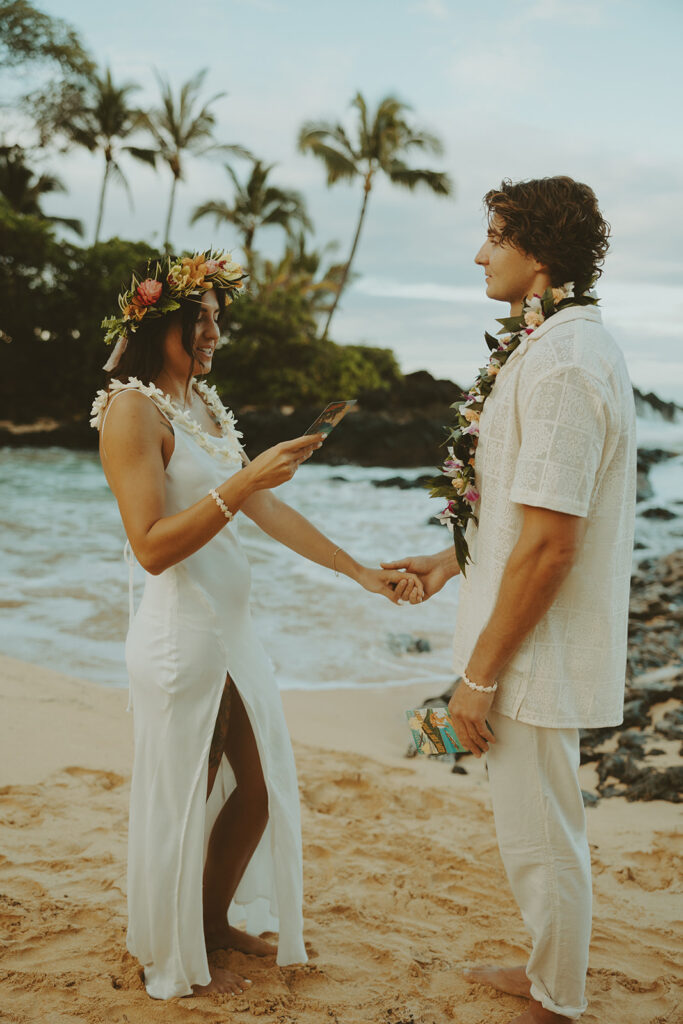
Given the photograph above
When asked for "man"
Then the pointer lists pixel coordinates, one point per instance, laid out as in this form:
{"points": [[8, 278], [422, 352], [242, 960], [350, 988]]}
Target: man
{"points": [[543, 609]]}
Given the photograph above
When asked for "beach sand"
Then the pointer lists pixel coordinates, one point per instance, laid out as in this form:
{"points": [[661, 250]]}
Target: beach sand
{"points": [[403, 880]]}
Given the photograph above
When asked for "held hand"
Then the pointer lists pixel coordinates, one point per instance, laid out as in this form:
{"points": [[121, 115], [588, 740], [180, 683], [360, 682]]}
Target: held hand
{"points": [[396, 586], [278, 464], [427, 567], [468, 710]]}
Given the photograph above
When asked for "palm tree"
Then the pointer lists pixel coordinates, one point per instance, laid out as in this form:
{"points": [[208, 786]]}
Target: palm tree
{"points": [[382, 144], [179, 127], [24, 191], [256, 204], [301, 270], [104, 123]]}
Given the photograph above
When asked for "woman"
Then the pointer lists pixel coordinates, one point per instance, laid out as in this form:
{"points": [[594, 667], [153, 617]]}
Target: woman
{"points": [[214, 813]]}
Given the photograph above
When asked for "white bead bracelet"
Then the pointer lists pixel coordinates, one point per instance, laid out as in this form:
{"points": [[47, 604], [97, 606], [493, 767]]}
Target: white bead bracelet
{"points": [[221, 504], [480, 689]]}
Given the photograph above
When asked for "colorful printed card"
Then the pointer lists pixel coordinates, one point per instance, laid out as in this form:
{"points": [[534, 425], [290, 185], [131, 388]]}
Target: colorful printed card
{"points": [[330, 417], [433, 731]]}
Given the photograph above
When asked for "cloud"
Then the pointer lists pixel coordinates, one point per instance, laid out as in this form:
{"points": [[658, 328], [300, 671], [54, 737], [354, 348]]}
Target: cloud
{"points": [[436, 9]]}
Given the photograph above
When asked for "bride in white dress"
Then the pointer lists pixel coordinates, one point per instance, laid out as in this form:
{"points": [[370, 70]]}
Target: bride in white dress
{"points": [[214, 836]]}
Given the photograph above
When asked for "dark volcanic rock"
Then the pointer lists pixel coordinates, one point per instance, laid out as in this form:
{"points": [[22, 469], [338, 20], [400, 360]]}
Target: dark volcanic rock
{"points": [[664, 784], [657, 512], [402, 482], [647, 403]]}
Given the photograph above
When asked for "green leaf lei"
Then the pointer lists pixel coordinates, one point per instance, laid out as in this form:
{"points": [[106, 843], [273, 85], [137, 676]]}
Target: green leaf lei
{"points": [[456, 482]]}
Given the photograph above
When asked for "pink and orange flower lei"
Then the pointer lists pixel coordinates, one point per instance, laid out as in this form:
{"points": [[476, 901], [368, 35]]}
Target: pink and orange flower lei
{"points": [[457, 480]]}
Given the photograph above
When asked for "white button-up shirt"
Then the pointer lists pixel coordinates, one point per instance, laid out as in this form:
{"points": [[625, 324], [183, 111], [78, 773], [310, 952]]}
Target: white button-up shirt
{"points": [[558, 432]]}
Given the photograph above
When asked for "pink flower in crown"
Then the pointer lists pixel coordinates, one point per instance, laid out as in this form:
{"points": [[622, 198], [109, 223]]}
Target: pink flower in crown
{"points": [[147, 292], [212, 267], [472, 495], [472, 429]]}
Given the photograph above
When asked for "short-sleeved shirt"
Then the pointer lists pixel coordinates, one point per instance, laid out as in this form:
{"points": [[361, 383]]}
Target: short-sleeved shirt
{"points": [[558, 432]]}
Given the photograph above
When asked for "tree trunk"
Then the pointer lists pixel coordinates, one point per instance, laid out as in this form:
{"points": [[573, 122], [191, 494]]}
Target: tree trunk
{"points": [[366, 193], [171, 203], [100, 209]]}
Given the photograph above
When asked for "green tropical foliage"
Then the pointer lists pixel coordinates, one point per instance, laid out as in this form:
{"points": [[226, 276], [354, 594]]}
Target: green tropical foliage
{"points": [[34, 45], [256, 204], [104, 122], [24, 190], [382, 143]]}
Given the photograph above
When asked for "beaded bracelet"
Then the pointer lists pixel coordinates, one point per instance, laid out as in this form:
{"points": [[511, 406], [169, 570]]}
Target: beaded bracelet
{"points": [[480, 689], [221, 504]]}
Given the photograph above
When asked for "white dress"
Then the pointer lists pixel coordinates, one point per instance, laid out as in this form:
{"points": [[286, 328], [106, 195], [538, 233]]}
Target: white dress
{"points": [[193, 627]]}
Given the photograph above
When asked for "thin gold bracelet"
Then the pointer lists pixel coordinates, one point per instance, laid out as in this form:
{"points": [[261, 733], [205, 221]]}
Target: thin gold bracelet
{"points": [[334, 560]]}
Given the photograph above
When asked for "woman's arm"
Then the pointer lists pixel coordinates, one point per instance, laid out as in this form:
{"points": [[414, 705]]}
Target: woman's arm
{"points": [[284, 524], [134, 466]]}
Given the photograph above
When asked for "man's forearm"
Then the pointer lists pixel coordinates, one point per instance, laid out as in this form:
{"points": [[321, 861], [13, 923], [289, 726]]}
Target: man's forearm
{"points": [[531, 579], [447, 561]]}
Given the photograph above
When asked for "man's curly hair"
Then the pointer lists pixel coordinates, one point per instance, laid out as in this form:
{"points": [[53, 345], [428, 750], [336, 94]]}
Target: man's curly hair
{"points": [[555, 220]]}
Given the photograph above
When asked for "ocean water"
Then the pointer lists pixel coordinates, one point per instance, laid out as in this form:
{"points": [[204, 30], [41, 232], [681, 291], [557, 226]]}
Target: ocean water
{"points": [[64, 584], [63, 581]]}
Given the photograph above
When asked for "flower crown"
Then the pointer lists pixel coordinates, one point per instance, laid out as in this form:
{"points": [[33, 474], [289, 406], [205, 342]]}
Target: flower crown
{"points": [[184, 277]]}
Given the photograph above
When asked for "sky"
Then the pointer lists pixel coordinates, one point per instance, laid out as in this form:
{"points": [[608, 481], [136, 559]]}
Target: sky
{"points": [[517, 89]]}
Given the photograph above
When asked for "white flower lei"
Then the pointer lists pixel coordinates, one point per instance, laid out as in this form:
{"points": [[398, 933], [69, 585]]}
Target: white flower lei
{"points": [[232, 452]]}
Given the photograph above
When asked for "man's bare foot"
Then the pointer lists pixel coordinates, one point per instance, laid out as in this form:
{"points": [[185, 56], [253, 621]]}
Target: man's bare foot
{"points": [[227, 937], [223, 980], [512, 980], [537, 1014]]}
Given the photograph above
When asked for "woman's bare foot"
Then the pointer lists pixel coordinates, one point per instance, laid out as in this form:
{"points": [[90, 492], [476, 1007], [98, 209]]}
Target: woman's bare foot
{"points": [[223, 980], [512, 980], [227, 937]]}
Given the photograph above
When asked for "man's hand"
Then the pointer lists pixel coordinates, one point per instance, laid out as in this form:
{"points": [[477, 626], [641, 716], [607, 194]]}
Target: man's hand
{"points": [[468, 710], [433, 570], [397, 586]]}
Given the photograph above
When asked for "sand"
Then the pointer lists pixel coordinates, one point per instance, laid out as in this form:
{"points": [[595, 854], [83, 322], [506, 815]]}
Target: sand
{"points": [[403, 880]]}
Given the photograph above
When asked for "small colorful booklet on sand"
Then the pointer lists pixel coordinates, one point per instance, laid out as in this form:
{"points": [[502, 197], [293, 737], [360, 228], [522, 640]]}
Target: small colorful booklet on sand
{"points": [[330, 417], [433, 731]]}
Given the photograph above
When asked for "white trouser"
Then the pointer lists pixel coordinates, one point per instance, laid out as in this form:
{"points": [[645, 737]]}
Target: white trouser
{"points": [[541, 828]]}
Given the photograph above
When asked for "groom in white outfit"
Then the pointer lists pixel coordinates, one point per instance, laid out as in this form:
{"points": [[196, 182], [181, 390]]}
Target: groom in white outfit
{"points": [[541, 627]]}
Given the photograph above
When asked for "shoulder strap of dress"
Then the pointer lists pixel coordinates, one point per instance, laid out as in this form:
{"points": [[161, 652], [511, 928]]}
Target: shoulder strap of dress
{"points": [[104, 399]]}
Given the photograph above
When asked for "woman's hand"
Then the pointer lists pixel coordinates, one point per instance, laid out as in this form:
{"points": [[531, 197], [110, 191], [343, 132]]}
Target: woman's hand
{"points": [[278, 464], [396, 586], [433, 570]]}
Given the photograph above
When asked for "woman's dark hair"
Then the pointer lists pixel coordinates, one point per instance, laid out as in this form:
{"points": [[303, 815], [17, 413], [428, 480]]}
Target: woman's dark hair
{"points": [[144, 354], [555, 220]]}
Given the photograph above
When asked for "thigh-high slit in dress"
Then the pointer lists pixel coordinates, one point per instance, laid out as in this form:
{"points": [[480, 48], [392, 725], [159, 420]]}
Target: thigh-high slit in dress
{"points": [[191, 630]]}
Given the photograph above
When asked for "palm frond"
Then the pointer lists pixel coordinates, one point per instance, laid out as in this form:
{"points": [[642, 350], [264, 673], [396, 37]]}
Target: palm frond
{"points": [[409, 177], [145, 156], [216, 208]]}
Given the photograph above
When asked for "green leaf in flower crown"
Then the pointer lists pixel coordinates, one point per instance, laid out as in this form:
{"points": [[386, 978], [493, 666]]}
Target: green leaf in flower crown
{"points": [[491, 341]]}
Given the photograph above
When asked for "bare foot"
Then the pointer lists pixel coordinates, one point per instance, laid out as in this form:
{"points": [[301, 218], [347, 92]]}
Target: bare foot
{"points": [[536, 1014], [227, 937], [222, 981], [512, 980]]}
